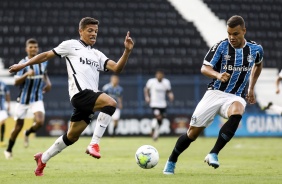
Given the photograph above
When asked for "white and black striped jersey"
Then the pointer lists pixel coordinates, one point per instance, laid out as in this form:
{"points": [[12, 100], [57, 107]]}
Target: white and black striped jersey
{"points": [[32, 88], [237, 62], [158, 91], [83, 65]]}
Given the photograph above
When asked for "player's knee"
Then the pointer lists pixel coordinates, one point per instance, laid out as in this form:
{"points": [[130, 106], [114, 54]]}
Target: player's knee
{"points": [[193, 133], [110, 110], [69, 138]]}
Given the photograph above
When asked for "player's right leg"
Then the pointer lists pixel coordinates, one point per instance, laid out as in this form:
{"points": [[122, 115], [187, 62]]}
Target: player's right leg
{"points": [[75, 130], [14, 134], [38, 111], [181, 145]]}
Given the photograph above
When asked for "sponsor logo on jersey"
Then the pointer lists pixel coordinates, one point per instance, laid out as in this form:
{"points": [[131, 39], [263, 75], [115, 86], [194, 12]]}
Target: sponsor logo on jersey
{"points": [[89, 62], [237, 68]]}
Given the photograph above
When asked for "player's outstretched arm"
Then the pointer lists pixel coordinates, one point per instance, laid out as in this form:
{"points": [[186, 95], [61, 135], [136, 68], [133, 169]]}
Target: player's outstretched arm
{"points": [[40, 58], [117, 67]]}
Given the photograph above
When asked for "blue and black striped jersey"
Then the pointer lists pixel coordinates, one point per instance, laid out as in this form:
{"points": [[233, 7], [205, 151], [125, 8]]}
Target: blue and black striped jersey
{"points": [[4, 90], [237, 62], [114, 91], [32, 88]]}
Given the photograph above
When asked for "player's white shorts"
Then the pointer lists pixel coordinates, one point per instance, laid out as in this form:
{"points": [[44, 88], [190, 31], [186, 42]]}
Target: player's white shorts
{"points": [[3, 115], [116, 115], [213, 102], [21, 109]]}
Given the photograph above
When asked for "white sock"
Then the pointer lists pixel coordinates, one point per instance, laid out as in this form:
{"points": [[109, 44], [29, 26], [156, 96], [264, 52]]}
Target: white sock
{"points": [[103, 121], [56, 148], [156, 132], [154, 123]]}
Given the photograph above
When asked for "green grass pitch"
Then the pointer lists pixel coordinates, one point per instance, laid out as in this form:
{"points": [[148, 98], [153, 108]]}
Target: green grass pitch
{"points": [[243, 160]]}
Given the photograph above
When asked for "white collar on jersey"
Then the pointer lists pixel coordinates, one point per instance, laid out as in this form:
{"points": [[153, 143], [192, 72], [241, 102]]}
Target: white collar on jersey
{"points": [[84, 44]]}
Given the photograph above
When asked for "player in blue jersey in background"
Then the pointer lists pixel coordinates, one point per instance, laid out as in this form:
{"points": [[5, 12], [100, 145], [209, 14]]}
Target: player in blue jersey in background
{"points": [[114, 90], [33, 81], [231, 63], [4, 111]]}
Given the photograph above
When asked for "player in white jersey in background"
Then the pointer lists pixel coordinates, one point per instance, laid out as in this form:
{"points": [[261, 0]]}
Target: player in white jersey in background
{"points": [[4, 111], [155, 93], [84, 64], [33, 82], [114, 90], [272, 106]]}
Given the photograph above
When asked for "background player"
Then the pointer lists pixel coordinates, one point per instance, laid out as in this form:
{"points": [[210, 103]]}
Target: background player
{"points": [[33, 81], [274, 107], [4, 98], [231, 63], [114, 90], [85, 97], [155, 93]]}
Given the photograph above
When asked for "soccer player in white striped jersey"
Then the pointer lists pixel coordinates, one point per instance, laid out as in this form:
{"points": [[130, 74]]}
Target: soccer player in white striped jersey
{"points": [[84, 63], [33, 82], [155, 93], [231, 63]]}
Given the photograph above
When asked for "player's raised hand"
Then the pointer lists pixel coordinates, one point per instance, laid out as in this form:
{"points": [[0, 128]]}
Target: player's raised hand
{"points": [[224, 77], [128, 42], [16, 67]]}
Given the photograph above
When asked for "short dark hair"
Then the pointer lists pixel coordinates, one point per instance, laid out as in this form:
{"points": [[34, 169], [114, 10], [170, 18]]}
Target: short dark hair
{"points": [[235, 21], [86, 21], [31, 41]]}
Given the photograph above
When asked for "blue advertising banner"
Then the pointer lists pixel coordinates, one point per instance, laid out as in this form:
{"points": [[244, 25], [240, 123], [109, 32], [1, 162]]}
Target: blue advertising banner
{"points": [[251, 125]]}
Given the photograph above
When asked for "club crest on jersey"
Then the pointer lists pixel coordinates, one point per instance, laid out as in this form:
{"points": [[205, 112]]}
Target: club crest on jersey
{"points": [[250, 58], [227, 57], [89, 62]]}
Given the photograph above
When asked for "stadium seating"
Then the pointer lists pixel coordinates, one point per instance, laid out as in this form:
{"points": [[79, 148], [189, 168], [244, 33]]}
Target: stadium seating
{"points": [[163, 38], [263, 23]]}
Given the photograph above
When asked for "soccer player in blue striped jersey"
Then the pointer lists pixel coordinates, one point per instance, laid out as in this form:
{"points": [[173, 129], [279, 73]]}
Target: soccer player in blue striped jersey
{"points": [[232, 64], [33, 81], [114, 90], [4, 111]]}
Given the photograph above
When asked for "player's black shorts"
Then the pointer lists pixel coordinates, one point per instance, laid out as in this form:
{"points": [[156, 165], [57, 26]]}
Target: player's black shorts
{"points": [[159, 111], [83, 103]]}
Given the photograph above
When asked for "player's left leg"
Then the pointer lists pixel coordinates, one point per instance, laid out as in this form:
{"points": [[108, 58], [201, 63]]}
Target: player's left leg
{"points": [[3, 117], [107, 106], [2, 132], [227, 131]]}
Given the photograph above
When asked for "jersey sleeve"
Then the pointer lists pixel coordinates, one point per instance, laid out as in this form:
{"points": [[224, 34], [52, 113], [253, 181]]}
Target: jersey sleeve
{"points": [[102, 60], [63, 49], [259, 55], [168, 85], [214, 54], [105, 88], [21, 72], [149, 84]]}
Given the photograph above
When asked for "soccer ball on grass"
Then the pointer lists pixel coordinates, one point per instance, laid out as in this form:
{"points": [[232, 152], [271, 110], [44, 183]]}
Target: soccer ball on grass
{"points": [[147, 156]]}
